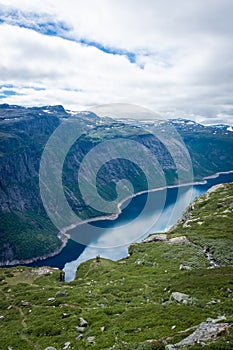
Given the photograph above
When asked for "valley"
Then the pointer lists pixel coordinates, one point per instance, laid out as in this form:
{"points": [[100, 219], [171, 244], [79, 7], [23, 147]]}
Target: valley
{"points": [[26, 233]]}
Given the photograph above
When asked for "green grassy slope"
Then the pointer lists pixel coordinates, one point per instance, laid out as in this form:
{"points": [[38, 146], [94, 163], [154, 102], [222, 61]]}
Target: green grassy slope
{"points": [[26, 235], [128, 303]]}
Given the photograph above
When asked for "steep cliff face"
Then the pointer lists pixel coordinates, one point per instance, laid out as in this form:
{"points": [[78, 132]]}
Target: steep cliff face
{"points": [[24, 133], [25, 230]]}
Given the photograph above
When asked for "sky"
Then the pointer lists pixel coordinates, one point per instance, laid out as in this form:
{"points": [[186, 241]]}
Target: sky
{"points": [[174, 57]]}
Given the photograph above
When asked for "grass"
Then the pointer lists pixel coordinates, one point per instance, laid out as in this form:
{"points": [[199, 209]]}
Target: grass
{"points": [[211, 224]]}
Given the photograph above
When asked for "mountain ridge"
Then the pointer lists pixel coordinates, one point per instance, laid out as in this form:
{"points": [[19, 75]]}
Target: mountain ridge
{"points": [[24, 133]]}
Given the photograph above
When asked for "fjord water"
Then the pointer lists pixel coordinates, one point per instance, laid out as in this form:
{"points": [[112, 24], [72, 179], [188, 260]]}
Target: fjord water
{"points": [[74, 253]]}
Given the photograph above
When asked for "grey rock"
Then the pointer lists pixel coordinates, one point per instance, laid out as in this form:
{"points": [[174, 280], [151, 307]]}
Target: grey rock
{"points": [[67, 345], [180, 239], [81, 329], [184, 267], [160, 237], [25, 303], [181, 298], [138, 261], [65, 315], [50, 348], [51, 299], [170, 347], [216, 320], [61, 293], [79, 337], [83, 322], [2, 318], [212, 301], [91, 340], [206, 331]]}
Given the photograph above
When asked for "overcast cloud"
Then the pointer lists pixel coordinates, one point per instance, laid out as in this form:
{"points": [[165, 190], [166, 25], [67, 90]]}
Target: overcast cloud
{"points": [[172, 56]]}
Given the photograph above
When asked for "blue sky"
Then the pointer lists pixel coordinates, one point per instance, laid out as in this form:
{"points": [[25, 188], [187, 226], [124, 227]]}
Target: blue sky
{"points": [[174, 57]]}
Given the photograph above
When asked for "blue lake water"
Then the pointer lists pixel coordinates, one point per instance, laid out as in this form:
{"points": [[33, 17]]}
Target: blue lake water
{"points": [[132, 225]]}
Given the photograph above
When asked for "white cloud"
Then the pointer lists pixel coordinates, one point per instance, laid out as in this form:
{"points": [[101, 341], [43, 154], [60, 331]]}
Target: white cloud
{"points": [[183, 52]]}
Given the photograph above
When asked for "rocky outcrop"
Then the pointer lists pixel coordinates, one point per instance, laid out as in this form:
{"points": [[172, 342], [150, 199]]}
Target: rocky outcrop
{"points": [[158, 237], [162, 237], [179, 239], [205, 333], [181, 298]]}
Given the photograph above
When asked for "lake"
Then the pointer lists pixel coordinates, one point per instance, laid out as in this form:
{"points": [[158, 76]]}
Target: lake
{"points": [[132, 225]]}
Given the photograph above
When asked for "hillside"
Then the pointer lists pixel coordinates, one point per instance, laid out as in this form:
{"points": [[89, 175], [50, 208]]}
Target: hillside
{"points": [[173, 288], [25, 229]]}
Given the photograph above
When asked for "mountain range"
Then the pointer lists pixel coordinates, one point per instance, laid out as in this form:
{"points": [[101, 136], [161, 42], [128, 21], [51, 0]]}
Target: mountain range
{"points": [[26, 232]]}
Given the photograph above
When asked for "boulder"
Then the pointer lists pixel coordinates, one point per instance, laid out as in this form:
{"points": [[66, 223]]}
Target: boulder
{"points": [[180, 239], [83, 322], [91, 340], [81, 329], [79, 337], [67, 345], [160, 237], [181, 298]]}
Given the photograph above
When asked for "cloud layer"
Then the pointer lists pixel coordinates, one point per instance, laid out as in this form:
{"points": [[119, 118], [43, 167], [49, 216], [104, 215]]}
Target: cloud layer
{"points": [[174, 57]]}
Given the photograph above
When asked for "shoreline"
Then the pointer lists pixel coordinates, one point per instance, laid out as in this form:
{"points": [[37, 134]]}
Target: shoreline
{"points": [[64, 236], [114, 216]]}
